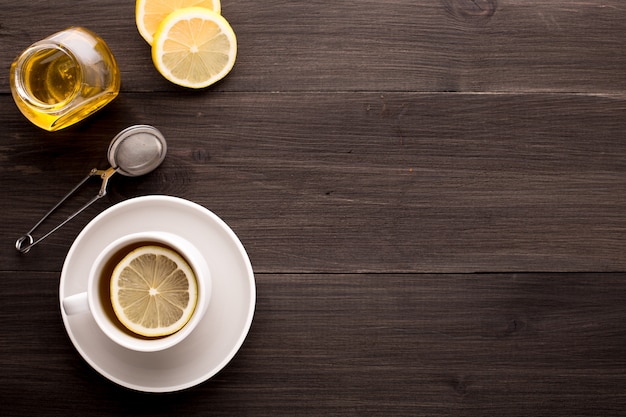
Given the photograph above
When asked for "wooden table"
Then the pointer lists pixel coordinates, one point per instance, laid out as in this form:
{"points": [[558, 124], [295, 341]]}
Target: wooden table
{"points": [[432, 195]]}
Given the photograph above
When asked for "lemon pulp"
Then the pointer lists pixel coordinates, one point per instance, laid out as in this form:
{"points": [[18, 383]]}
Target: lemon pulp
{"points": [[153, 291]]}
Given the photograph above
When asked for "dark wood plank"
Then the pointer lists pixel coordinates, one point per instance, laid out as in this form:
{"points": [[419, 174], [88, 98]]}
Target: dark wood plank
{"points": [[432, 194], [447, 45], [354, 345], [325, 182]]}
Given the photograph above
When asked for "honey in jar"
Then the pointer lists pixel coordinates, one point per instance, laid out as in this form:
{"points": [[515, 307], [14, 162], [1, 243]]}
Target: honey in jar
{"points": [[64, 78]]}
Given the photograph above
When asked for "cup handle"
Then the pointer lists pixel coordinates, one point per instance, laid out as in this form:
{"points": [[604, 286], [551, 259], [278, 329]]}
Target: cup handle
{"points": [[75, 304]]}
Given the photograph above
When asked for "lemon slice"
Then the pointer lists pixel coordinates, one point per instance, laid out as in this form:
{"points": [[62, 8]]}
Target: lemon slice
{"points": [[150, 13], [194, 47], [153, 291]]}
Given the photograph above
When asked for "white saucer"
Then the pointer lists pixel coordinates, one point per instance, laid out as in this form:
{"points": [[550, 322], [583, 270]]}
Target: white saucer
{"points": [[226, 323]]}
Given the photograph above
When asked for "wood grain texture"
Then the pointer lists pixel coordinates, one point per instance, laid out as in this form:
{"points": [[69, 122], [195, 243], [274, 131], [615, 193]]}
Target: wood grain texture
{"points": [[326, 182], [354, 345], [398, 45], [432, 195]]}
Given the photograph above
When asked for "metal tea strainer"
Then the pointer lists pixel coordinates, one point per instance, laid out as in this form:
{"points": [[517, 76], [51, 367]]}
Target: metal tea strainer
{"points": [[135, 151]]}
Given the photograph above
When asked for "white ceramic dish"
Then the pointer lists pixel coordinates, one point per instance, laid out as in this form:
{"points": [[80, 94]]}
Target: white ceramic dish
{"points": [[213, 343]]}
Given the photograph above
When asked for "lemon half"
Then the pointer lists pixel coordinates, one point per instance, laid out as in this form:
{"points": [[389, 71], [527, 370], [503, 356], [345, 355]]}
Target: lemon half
{"points": [[150, 13], [194, 47]]}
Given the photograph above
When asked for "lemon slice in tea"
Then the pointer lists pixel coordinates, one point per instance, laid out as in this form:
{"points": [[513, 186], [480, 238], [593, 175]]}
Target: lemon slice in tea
{"points": [[150, 13], [153, 291], [194, 47]]}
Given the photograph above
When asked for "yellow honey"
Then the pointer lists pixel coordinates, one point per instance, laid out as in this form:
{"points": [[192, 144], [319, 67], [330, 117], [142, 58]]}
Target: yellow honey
{"points": [[64, 78]]}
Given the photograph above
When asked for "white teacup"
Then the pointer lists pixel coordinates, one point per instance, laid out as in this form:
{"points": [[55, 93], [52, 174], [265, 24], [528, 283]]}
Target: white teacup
{"points": [[96, 300]]}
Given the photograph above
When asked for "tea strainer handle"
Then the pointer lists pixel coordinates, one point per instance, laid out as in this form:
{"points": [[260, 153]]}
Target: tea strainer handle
{"points": [[24, 243]]}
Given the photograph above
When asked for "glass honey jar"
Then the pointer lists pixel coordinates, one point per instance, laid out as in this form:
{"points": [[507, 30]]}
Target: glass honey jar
{"points": [[64, 78]]}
